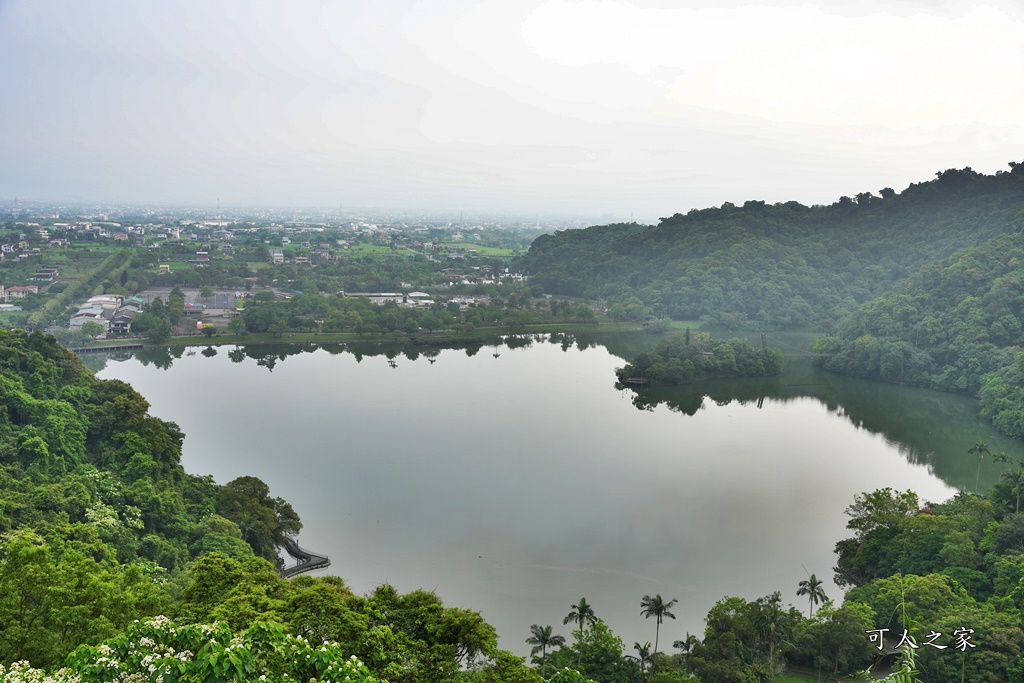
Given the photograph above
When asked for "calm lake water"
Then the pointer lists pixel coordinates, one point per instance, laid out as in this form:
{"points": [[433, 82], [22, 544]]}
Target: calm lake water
{"points": [[516, 484]]}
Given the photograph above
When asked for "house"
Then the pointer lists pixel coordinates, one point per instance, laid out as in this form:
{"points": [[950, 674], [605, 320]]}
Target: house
{"points": [[131, 307], [121, 323], [17, 292], [46, 274], [276, 256], [302, 260], [165, 268], [97, 316]]}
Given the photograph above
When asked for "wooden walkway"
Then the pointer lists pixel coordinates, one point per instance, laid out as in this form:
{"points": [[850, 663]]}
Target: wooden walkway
{"points": [[96, 349]]}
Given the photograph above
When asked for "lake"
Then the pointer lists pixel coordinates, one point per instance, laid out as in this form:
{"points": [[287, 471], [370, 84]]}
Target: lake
{"points": [[516, 480]]}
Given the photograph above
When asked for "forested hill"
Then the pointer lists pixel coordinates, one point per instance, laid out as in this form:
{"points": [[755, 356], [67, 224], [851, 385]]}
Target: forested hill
{"points": [[99, 520], [955, 325], [782, 264]]}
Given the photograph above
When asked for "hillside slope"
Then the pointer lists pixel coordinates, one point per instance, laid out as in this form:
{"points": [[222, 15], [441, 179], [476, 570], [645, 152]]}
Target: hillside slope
{"points": [[783, 264], [955, 325]]}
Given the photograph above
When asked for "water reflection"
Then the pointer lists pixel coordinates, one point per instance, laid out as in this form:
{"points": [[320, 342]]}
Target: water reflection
{"points": [[928, 428]]}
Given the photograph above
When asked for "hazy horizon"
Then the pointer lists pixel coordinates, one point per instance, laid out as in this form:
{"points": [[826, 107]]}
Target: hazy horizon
{"points": [[551, 107]]}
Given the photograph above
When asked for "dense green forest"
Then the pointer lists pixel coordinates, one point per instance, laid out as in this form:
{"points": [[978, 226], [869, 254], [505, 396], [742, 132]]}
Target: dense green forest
{"points": [[782, 264], [691, 357], [954, 325]]}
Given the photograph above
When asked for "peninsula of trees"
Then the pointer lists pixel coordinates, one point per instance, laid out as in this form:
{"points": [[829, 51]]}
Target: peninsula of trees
{"points": [[691, 357]]}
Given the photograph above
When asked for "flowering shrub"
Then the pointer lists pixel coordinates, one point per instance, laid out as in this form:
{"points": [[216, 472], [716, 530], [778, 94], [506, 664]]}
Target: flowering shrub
{"points": [[568, 675], [159, 651]]}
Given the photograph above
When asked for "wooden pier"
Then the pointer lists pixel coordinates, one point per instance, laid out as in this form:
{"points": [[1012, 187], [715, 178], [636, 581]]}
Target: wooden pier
{"points": [[96, 349]]}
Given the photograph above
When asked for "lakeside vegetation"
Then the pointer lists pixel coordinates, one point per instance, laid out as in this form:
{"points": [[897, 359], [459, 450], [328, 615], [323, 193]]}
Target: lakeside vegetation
{"points": [[955, 325], [692, 357]]}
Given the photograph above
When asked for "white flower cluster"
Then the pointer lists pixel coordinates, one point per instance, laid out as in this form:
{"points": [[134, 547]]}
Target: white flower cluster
{"points": [[103, 516], [132, 517], [22, 672], [155, 648]]}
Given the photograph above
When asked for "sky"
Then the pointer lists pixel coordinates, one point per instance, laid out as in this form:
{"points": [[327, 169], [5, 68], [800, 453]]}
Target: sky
{"points": [[633, 108]]}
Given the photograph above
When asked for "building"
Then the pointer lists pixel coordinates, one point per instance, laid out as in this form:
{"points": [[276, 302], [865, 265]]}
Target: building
{"points": [[46, 274], [113, 311], [121, 323], [105, 300], [95, 315], [17, 292]]}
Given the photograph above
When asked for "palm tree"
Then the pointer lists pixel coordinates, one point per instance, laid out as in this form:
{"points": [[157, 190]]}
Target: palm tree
{"points": [[644, 656], [541, 639], [583, 614], [1014, 477], [812, 588], [686, 647], [981, 448], [656, 607]]}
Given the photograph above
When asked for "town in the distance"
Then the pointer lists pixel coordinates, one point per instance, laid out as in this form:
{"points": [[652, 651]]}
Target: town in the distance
{"points": [[87, 274]]}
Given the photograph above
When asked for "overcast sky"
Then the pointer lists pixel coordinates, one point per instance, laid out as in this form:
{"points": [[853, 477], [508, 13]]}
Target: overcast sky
{"points": [[576, 106]]}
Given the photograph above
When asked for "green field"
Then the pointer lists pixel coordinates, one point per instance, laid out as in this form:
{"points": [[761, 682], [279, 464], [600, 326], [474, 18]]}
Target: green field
{"points": [[364, 249], [486, 251]]}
